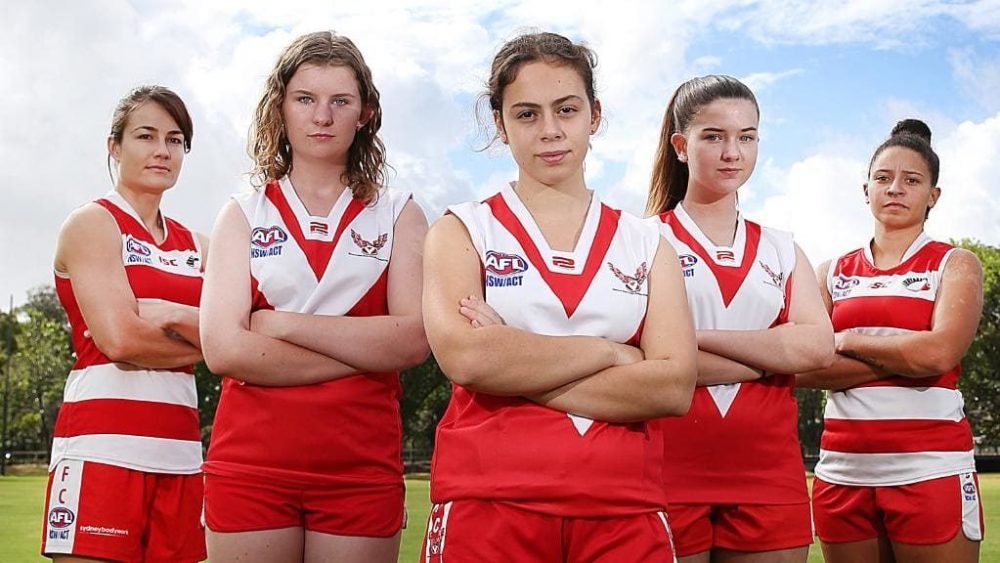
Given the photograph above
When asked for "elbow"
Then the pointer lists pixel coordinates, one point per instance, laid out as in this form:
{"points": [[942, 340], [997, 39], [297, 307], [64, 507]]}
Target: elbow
{"points": [[418, 351], [819, 354], [219, 356], [116, 348], [677, 394], [461, 367], [933, 363]]}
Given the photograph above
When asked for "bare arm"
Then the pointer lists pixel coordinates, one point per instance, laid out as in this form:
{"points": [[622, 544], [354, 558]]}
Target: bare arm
{"points": [[660, 385], [714, 369], [376, 344], [499, 359], [90, 252], [179, 321], [805, 343], [926, 353], [231, 349]]}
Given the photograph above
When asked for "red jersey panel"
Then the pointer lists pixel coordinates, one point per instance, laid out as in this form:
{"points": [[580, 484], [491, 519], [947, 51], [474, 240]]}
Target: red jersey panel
{"points": [[341, 431], [738, 443], [897, 430], [512, 450], [137, 418]]}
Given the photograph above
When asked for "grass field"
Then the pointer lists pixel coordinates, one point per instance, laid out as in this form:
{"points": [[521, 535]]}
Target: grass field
{"points": [[21, 500]]}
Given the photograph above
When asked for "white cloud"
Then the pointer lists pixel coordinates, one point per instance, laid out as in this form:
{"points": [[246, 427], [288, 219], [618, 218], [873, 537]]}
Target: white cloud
{"points": [[758, 81], [978, 76]]}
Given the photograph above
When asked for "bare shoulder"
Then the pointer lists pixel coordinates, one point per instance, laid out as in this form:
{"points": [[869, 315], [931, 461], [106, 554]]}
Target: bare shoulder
{"points": [[963, 262]]}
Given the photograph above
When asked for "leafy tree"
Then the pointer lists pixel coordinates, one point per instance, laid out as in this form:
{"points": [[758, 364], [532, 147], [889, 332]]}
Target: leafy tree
{"points": [[426, 392]]}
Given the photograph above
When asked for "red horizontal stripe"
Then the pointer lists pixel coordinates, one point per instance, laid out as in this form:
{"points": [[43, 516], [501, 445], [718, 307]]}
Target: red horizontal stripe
{"points": [[132, 418], [909, 313], [896, 436]]}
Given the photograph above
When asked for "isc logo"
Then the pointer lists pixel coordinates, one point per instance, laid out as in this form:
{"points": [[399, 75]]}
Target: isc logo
{"points": [[501, 264], [61, 517], [264, 237]]}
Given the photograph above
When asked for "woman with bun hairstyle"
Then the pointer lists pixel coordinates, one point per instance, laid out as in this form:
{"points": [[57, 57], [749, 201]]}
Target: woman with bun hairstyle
{"points": [[563, 327], [733, 471], [125, 479], [311, 312], [896, 476]]}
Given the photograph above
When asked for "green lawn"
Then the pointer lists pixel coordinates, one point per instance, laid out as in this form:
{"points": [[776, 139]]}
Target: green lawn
{"points": [[21, 500]]}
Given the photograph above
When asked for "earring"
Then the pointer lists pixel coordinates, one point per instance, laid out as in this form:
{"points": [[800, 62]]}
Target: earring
{"points": [[359, 126]]}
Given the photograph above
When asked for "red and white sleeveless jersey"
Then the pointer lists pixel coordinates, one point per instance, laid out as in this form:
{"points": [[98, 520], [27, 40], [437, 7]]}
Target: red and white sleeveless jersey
{"points": [[343, 430], [133, 417], [513, 450], [739, 442], [896, 430]]}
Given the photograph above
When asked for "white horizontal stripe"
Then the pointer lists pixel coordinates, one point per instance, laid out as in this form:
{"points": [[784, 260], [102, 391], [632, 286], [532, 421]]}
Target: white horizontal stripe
{"points": [[892, 468], [896, 403], [109, 381], [142, 453], [880, 330], [908, 284]]}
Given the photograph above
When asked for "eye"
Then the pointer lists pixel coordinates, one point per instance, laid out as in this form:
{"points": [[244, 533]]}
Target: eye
{"points": [[340, 101], [304, 99], [747, 138], [567, 110], [525, 114], [144, 136], [912, 181], [713, 137], [881, 178], [175, 140]]}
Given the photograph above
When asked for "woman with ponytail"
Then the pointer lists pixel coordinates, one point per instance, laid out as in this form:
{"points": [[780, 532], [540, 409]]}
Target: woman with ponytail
{"points": [[896, 441], [733, 472]]}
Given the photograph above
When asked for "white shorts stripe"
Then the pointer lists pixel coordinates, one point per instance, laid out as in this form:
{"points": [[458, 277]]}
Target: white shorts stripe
{"points": [[896, 403], [970, 507], [110, 381], [63, 508], [670, 533]]}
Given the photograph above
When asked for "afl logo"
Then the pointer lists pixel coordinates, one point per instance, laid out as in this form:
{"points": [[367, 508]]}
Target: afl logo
{"points": [[501, 264], [263, 237], [969, 489], [135, 247], [843, 283], [687, 260], [61, 517]]}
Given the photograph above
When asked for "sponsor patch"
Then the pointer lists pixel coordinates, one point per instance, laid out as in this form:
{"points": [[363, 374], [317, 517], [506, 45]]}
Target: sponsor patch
{"points": [[917, 283], [842, 285], [61, 517], [137, 252], [267, 241], [687, 264], [504, 270]]}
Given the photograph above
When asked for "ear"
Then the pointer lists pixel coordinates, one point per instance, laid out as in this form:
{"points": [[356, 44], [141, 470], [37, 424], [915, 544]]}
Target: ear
{"points": [[864, 188], [113, 148], [595, 116], [680, 146], [366, 115], [935, 194], [498, 122]]}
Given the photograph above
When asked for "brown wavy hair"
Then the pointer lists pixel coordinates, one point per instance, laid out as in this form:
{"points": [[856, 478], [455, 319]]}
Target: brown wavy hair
{"points": [[268, 144], [668, 185]]}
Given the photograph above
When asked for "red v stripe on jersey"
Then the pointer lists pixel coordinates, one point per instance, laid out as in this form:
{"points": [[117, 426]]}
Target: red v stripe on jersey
{"points": [[730, 279], [569, 288], [317, 252]]}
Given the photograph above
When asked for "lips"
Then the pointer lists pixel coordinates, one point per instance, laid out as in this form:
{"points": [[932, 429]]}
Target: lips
{"points": [[321, 136], [553, 157], [730, 172], [158, 168]]}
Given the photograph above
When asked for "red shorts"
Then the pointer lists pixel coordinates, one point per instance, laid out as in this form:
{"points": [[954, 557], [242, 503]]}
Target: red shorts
{"points": [[739, 527], [109, 512], [473, 531], [235, 504], [925, 513]]}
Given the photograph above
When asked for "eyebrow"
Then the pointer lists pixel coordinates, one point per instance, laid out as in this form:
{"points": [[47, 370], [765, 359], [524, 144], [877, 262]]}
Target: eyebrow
{"points": [[532, 105], [721, 130], [154, 129], [914, 172], [311, 93]]}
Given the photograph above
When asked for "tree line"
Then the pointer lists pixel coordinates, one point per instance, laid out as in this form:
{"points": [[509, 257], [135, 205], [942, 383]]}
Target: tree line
{"points": [[37, 354]]}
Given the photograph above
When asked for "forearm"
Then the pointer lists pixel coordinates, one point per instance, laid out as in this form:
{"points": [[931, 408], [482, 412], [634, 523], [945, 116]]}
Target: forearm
{"points": [[145, 345], [185, 325], [262, 360], [501, 360], [782, 349], [641, 391], [372, 344], [916, 354], [714, 369], [844, 373]]}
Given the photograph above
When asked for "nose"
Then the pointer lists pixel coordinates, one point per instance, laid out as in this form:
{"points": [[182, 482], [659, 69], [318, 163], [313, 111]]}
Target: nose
{"points": [[731, 150], [896, 187], [322, 114], [551, 127], [162, 150]]}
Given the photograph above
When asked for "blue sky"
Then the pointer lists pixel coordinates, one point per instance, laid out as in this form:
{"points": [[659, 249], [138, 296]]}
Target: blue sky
{"points": [[831, 77]]}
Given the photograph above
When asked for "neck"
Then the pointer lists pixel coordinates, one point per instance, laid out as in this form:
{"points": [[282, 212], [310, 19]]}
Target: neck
{"points": [[317, 182], [145, 204], [716, 216], [890, 244], [573, 191]]}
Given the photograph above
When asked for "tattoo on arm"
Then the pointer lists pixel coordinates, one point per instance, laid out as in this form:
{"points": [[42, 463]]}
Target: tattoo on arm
{"points": [[866, 359]]}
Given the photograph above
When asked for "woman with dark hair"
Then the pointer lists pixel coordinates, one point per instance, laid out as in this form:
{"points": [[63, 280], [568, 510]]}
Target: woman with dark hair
{"points": [[125, 481], [733, 472], [563, 326], [895, 441], [310, 313]]}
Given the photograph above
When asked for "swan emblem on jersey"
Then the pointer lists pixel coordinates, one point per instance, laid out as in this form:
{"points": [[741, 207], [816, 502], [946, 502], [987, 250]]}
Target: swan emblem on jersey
{"points": [[776, 279], [633, 284], [369, 248], [917, 283]]}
